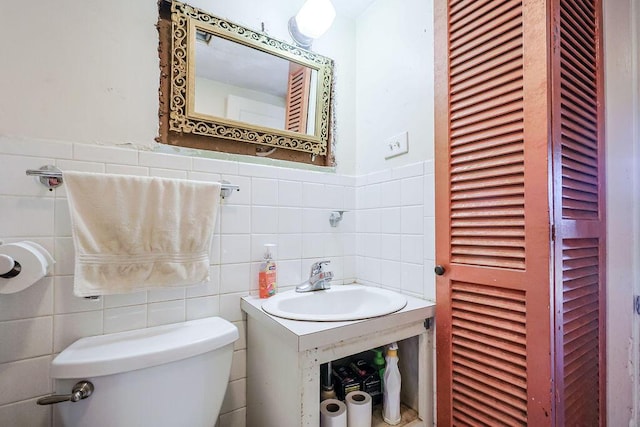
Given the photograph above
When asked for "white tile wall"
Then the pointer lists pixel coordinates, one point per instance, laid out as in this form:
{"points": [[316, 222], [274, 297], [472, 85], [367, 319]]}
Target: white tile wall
{"points": [[290, 220], [121, 319], [215, 166], [68, 328], [385, 239], [26, 216], [395, 229], [238, 365], [26, 338], [235, 277], [198, 308], [125, 299], [162, 313], [24, 379], [25, 413], [264, 191], [34, 301], [236, 396], [264, 220]]}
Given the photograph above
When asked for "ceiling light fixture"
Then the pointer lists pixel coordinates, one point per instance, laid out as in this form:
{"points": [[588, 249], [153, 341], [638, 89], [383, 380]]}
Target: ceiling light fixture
{"points": [[313, 20]]}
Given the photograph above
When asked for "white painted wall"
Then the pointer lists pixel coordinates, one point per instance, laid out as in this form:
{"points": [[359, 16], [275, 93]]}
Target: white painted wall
{"points": [[623, 208], [84, 71], [394, 72]]}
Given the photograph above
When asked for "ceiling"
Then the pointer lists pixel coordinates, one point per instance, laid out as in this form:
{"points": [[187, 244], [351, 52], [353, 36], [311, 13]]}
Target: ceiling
{"points": [[351, 8]]}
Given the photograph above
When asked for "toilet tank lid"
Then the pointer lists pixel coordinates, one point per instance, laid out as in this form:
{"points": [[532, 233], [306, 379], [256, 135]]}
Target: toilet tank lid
{"points": [[142, 348]]}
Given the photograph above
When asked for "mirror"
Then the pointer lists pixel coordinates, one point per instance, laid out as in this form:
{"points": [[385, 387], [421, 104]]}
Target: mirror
{"points": [[230, 82], [236, 82]]}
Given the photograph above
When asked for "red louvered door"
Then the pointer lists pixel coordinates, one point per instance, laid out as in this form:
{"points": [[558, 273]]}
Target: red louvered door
{"points": [[505, 286]]}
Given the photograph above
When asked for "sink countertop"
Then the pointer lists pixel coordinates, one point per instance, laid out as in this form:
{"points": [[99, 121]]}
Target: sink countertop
{"points": [[306, 335]]}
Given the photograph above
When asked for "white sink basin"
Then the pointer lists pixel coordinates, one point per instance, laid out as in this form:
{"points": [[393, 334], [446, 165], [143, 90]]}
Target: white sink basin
{"points": [[340, 303]]}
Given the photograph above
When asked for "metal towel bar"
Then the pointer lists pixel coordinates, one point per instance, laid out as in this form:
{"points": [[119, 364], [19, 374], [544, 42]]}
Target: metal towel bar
{"points": [[51, 177]]}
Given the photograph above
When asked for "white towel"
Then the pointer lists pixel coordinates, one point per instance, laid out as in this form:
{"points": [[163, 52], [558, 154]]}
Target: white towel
{"points": [[133, 233]]}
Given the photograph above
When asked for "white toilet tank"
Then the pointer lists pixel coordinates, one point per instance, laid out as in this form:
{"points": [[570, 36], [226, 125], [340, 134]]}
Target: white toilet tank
{"points": [[170, 375]]}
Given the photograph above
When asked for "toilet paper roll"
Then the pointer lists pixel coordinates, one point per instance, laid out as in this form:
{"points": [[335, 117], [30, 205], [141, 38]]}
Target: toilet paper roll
{"points": [[333, 413], [34, 263], [358, 409]]}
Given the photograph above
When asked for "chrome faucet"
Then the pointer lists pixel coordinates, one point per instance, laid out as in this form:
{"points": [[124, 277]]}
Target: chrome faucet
{"points": [[318, 278]]}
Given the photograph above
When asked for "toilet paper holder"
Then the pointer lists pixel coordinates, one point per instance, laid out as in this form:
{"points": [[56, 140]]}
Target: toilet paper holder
{"points": [[22, 264], [9, 267]]}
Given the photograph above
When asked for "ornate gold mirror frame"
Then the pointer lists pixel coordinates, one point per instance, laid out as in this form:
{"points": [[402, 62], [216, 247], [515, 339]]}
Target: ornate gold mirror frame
{"points": [[185, 21]]}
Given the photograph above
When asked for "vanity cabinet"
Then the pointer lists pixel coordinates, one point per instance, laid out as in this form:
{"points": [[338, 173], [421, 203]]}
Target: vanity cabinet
{"points": [[284, 358]]}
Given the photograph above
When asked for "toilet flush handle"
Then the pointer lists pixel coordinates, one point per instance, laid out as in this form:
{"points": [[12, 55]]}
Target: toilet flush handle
{"points": [[81, 390]]}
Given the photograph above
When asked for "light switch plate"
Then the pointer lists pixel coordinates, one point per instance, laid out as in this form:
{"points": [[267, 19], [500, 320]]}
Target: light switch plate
{"points": [[396, 145]]}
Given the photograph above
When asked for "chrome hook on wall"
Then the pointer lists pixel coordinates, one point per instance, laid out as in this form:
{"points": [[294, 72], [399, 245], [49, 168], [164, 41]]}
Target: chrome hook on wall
{"points": [[335, 217]]}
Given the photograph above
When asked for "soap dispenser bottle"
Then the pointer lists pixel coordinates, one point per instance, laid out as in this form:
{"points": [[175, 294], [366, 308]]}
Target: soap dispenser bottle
{"points": [[267, 274], [391, 393]]}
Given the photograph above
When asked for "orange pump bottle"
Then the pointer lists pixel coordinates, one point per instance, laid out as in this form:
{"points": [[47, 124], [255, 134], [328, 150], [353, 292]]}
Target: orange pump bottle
{"points": [[267, 274]]}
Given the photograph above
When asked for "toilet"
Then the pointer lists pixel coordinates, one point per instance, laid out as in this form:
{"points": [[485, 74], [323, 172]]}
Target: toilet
{"points": [[169, 375]]}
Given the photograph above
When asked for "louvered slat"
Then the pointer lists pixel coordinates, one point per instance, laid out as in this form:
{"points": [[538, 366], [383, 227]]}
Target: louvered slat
{"points": [[489, 318], [485, 24], [482, 150], [497, 393], [502, 413], [497, 317], [475, 348], [489, 355], [516, 395]]}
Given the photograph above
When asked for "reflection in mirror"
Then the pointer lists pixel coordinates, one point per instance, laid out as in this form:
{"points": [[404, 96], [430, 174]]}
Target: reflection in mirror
{"points": [[230, 82], [241, 83]]}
